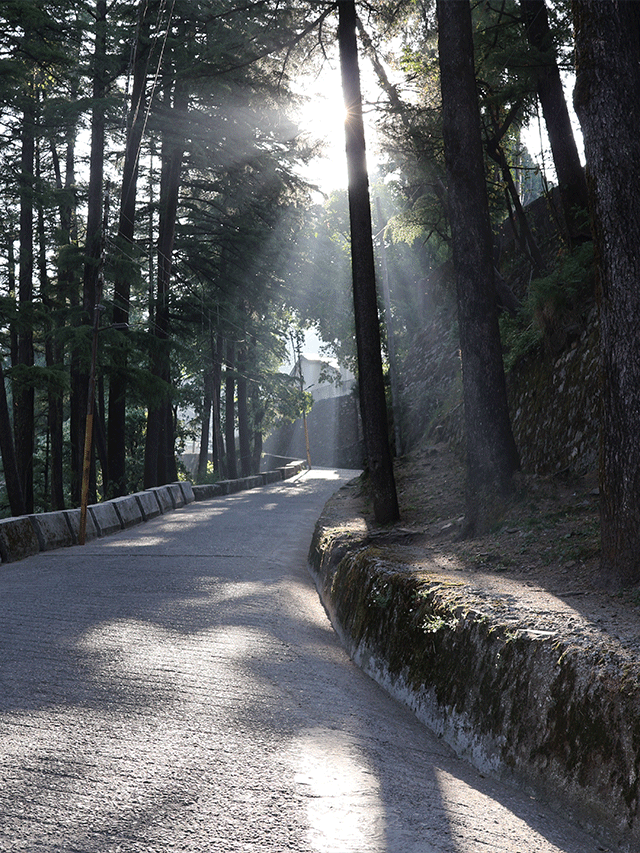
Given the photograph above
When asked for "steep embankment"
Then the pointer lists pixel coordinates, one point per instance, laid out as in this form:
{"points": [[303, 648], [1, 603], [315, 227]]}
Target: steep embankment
{"points": [[528, 684]]}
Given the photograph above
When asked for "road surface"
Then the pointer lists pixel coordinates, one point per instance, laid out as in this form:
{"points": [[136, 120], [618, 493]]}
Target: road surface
{"points": [[177, 687]]}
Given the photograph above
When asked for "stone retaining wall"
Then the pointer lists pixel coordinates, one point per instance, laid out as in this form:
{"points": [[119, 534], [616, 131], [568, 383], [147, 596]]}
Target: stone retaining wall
{"points": [[555, 408], [519, 704]]}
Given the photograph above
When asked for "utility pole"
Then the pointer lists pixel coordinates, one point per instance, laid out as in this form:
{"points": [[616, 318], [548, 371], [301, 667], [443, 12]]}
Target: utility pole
{"points": [[296, 349]]}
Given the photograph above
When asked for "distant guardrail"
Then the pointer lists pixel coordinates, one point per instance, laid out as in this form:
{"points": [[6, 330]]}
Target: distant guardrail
{"points": [[25, 535]]}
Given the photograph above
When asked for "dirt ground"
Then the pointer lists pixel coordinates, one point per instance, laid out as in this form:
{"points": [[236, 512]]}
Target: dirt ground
{"points": [[536, 571]]}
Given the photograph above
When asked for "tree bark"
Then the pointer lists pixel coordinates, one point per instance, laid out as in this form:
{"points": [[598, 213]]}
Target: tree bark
{"points": [[124, 271], [571, 179], [606, 100], [9, 464], [218, 442], [203, 455], [370, 376], [159, 446], [54, 361], [244, 430], [67, 289], [230, 412], [23, 391], [492, 457], [93, 246]]}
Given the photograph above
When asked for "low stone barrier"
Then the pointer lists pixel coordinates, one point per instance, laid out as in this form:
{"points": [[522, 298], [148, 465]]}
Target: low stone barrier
{"points": [[105, 518], [163, 497], [52, 530], [128, 511], [73, 518], [176, 494], [207, 491], [520, 704], [148, 503], [186, 487], [250, 482], [27, 535], [17, 539], [230, 487]]}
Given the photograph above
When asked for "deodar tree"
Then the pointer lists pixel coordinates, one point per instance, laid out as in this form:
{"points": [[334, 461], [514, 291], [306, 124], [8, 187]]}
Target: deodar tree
{"points": [[370, 377], [606, 100], [492, 456]]}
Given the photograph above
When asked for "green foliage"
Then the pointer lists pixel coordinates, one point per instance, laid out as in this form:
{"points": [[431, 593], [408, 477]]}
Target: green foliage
{"points": [[568, 286], [520, 337], [555, 307]]}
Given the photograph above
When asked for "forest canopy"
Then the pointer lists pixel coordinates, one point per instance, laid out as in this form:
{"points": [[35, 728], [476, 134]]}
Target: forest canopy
{"points": [[161, 239]]}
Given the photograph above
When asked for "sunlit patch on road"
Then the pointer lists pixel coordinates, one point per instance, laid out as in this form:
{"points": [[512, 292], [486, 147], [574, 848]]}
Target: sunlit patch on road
{"points": [[343, 801]]}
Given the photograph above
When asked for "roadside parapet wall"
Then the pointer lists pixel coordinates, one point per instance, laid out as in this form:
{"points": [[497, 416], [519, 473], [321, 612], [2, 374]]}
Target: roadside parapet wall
{"points": [[27, 535], [520, 704]]}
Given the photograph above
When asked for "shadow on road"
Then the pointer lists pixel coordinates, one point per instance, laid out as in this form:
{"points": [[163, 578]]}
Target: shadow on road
{"points": [[178, 686]]}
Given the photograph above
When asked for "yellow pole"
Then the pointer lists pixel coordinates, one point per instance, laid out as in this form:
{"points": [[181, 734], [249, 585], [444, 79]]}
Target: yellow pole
{"points": [[88, 430]]}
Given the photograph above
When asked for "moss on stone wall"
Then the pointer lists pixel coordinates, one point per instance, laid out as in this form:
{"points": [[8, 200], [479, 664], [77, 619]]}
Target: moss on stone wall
{"points": [[555, 404], [514, 702], [554, 400]]}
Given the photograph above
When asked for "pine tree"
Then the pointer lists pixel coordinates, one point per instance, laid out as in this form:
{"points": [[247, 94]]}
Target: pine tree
{"points": [[370, 378], [492, 457]]}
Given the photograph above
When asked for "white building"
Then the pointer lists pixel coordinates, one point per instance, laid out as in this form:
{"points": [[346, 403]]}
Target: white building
{"points": [[323, 377]]}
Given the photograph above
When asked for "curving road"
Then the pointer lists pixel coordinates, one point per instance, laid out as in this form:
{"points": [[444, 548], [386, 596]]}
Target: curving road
{"points": [[178, 687]]}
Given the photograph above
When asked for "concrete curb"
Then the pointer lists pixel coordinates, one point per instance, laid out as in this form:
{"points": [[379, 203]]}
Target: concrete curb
{"points": [[73, 519], [186, 487], [163, 497], [520, 705], [17, 539], [176, 495], [105, 518], [27, 535], [229, 487], [53, 530], [128, 510], [149, 506]]}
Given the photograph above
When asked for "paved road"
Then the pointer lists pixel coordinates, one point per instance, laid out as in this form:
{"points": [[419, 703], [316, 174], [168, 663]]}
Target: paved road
{"points": [[178, 688]]}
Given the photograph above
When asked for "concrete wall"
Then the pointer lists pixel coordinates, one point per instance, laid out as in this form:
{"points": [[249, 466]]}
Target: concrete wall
{"points": [[26, 535]]}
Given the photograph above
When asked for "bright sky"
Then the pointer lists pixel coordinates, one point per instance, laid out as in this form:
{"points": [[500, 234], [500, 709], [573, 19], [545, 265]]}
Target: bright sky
{"points": [[323, 119]]}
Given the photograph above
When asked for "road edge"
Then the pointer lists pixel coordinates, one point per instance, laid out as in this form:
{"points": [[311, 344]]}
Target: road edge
{"points": [[521, 706]]}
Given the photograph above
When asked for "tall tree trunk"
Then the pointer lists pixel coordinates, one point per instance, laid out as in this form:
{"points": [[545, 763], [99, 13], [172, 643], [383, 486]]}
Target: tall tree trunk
{"points": [[11, 287], [606, 100], [124, 273], [9, 464], [23, 392], [93, 253], [170, 464], [258, 418], [370, 377], [67, 290], [216, 388], [492, 457], [571, 179], [159, 446], [230, 412], [203, 455], [244, 429], [53, 360]]}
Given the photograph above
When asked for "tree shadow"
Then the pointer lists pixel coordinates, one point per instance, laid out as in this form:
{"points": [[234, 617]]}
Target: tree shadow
{"points": [[178, 686]]}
